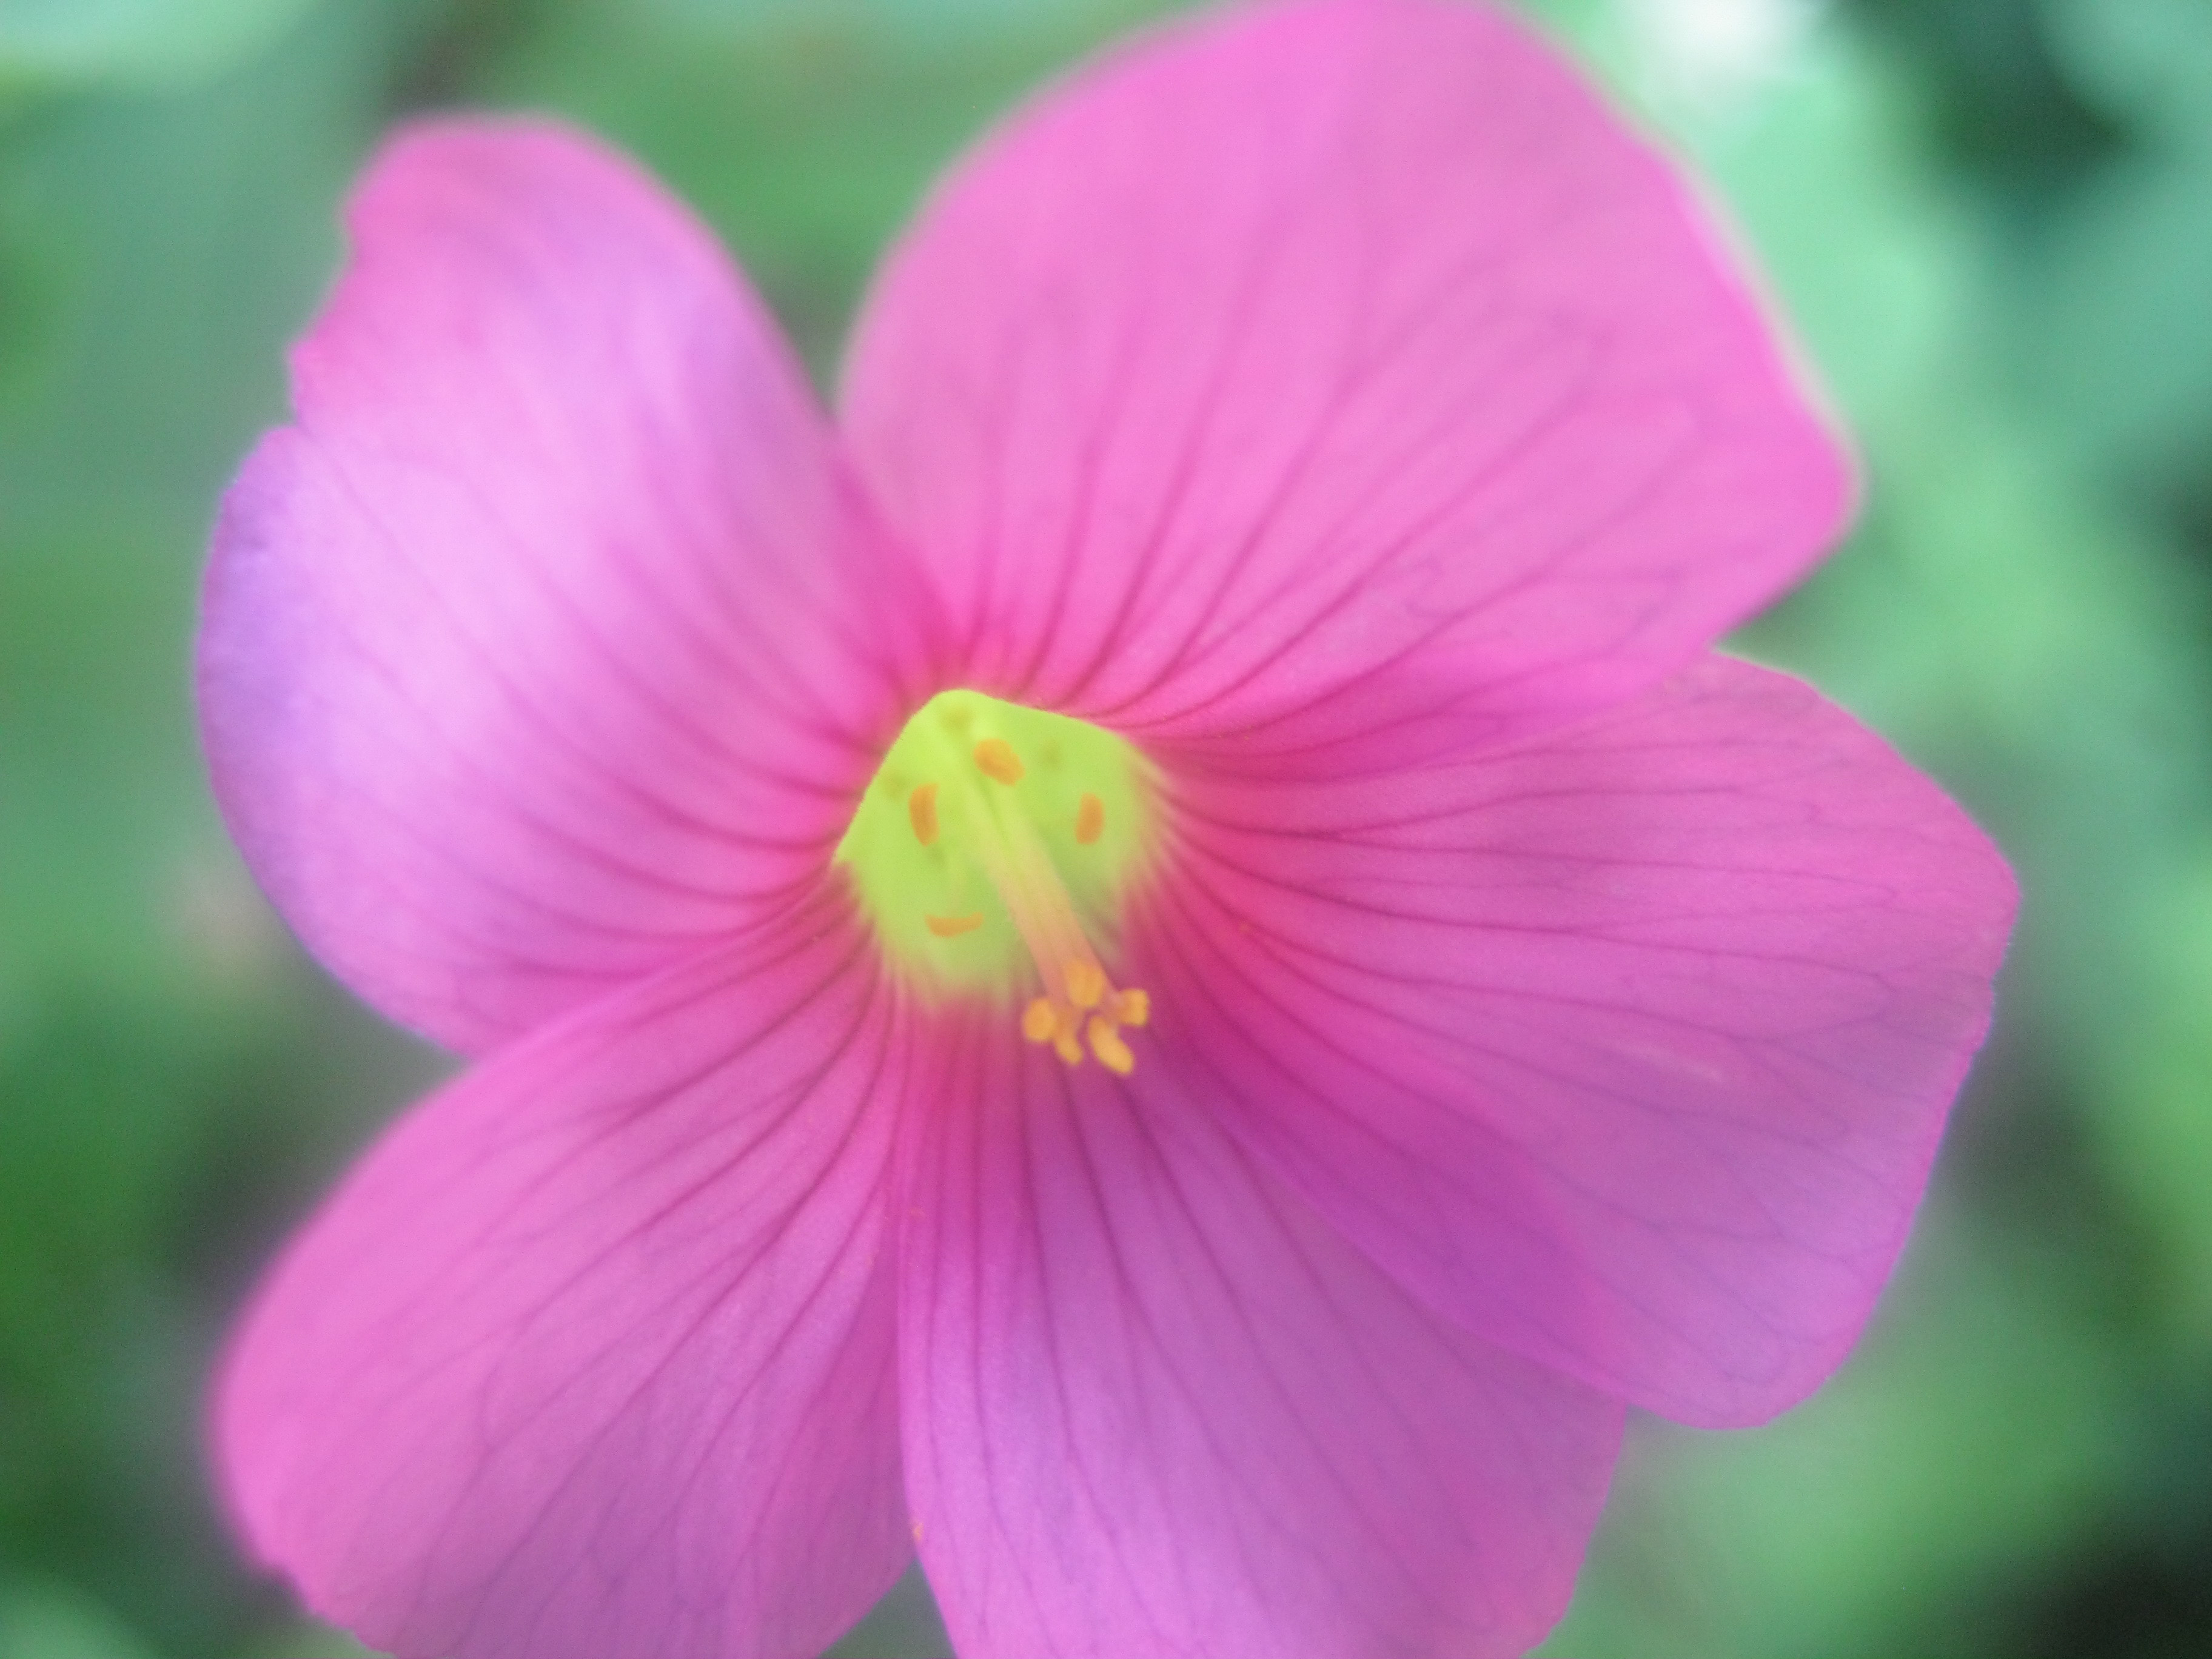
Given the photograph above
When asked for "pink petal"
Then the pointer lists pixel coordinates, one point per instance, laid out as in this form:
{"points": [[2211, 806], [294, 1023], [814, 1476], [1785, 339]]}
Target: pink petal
{"points": [[1629, 1049], [591, 1355], [543, 645], [1325, 369], [1154, 1406]]}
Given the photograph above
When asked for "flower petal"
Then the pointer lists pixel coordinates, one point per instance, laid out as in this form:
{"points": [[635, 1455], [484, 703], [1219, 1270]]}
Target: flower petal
{"points": [[1153, 1406], [592, 1354], [1327, 369], [1629, 1049], [540, 647]]}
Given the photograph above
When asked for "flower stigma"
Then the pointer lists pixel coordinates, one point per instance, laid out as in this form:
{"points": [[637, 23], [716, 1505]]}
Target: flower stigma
{"points": [[995, 850]]}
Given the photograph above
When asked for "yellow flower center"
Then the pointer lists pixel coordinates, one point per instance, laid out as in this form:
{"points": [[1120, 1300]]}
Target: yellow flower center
{"points": [[995, 851]]}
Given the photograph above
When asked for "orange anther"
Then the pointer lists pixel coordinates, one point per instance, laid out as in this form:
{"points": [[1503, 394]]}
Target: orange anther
{"points": [[1132, 1007], [953, 926], [1067, 1031], [921, 812], [1106, 1042], [1038, 1020], [997, 759], [1089, 820]]}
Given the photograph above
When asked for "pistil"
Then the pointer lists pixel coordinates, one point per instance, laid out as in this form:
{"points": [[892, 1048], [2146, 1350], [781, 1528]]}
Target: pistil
{"points": [[1013, 855]]}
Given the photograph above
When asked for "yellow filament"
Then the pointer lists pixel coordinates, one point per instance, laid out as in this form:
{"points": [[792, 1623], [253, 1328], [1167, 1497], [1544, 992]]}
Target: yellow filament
{"points": [[921, 812], [1086, 982], [953, 926], [1089, 820], [995, 758]]}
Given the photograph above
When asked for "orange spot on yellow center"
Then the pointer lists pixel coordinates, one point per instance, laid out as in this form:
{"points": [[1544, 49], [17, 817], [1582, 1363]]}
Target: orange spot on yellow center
{"points": [[1089, 820], [921, 812], [996, 759]]}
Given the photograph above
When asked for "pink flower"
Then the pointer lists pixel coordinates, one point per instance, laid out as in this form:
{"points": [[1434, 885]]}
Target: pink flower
{"points": [[1545, 1013]]}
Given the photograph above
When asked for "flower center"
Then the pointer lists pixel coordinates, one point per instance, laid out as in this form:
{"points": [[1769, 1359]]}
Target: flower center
{"points": [[994, 850]]}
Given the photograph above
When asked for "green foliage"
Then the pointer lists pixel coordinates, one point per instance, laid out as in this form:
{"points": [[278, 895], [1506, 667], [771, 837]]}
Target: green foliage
{"points": [[155, 42]]}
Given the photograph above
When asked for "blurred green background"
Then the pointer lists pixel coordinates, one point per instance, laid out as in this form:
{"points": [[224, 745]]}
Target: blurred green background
{"points": [[1992, 221]]}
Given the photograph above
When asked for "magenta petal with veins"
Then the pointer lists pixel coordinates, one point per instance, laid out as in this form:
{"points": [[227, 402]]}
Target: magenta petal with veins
{"points": [[1546, 1015]]}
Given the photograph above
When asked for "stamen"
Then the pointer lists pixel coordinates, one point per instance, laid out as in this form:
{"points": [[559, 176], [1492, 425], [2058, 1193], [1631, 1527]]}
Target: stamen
{"points": [[1106, 1042], [1038, 1020], [1089, 820], [1132, 1007], [921, 812], [953, 926], [1086, 982], [996, 759]]}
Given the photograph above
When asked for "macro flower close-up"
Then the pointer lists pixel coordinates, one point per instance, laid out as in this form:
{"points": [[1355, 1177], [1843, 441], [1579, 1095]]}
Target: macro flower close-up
{"points": [[1154, 964], [1148, 959]]}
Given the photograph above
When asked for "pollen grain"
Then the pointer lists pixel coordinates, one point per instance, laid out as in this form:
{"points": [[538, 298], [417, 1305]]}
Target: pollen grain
{"points": [[953, 926], [1088, 1009]]}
